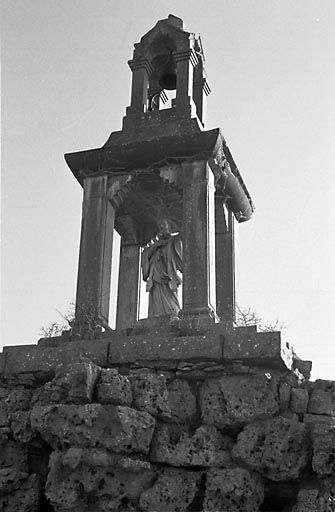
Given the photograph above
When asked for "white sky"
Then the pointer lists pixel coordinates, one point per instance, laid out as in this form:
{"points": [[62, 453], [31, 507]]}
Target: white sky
{"points": [[65, 87]]}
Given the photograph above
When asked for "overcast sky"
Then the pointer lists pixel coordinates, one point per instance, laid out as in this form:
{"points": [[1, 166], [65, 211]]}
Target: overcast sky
{"points": [[65, 87]]}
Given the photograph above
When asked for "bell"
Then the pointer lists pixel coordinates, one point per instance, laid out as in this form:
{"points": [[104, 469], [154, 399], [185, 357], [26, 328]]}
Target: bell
{"points": [[166, 73], [168, 79]]}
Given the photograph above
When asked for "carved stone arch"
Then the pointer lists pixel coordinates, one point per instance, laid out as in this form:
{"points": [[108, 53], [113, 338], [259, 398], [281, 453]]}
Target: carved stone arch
{"points": [[162, 44], [118, 191], [143, 197]]}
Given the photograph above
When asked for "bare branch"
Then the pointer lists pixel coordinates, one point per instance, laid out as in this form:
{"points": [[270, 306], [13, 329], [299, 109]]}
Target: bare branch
{"points": [[246, 317]]}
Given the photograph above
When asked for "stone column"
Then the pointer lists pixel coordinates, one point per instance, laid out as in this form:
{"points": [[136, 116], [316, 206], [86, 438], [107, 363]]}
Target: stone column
{"points": [[185, 60], [141, 69], [225, 262], [201, 89], [96, 243], [198, 241], [128, 287]]}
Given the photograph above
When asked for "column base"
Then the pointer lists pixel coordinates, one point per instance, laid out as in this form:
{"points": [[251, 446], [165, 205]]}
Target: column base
{"points": [[195, 320], [83, 328], [164, 324]]}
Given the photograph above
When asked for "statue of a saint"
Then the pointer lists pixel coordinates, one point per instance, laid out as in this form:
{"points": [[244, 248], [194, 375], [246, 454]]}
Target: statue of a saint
{"points": [[160, 262]]}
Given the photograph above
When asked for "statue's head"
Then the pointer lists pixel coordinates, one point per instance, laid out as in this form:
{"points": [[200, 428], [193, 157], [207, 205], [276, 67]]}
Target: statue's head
{"points": [[164, 227]]}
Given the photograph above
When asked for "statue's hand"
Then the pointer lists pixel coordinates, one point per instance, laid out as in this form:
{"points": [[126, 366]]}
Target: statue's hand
{"points": [[160, 243], [166, 278], [150, 248]]}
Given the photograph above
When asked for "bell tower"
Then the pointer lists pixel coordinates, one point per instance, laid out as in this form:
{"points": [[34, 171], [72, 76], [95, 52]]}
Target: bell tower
{"points": [[162, 164], [168, 59]]}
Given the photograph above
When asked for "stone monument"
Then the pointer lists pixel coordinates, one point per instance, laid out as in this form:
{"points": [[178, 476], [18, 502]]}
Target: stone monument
{"points": [[162, 164], [179, 412]]}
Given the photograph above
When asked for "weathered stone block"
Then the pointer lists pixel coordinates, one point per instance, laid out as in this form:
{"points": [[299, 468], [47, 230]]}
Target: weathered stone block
{"points": [[5, 432], [322, 402], [14, 417], [13, 466], [294, 379], [246, 330], [119, 428], [50, 393], [284, 396], [324, 385], [157, 348], [2, 363], [234, 400], [18, 400], [39, 360], [79, 477], [24, 499], [3, 392], [307, 501], [304, 367], [4, 415], [173, 491], [101, 458], [182, 401], [73, 383], [277, 448], [258, 348], [323, 440], [114, 388], [233, 490], [313, 419], [79, 379], [150, 394], [156, 325], [314, 500], [20, 426], [205, 447], [299, 400]]}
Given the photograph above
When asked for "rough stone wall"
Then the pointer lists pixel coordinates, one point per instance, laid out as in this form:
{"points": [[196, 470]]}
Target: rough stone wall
{"points": [[210, 438]]}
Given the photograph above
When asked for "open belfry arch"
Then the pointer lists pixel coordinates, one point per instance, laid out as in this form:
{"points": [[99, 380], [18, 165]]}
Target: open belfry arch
{"points": [[162, 164]]}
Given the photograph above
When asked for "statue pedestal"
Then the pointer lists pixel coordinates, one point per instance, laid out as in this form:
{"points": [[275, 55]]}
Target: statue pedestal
{"points": [[156, 347]]}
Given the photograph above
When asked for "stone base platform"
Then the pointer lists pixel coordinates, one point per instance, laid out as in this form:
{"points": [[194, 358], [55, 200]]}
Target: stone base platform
{"points": [[221, 345]]}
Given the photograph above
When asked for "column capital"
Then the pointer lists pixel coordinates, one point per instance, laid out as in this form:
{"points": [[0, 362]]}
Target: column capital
{"points": [[95, 186], [196, 171], [186, 55], [135, 64], [118, 189]]}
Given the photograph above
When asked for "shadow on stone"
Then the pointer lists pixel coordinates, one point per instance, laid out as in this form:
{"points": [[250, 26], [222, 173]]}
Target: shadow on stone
{"points": [[197, 503], [279, 497], [45, 505], [38, 461]]}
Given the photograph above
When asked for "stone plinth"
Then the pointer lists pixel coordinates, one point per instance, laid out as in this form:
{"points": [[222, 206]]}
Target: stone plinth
{"points": [[219, 344]]}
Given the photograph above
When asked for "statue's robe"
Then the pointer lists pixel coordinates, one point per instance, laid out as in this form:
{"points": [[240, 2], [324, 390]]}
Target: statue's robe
{"points": [[160, 263]]}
